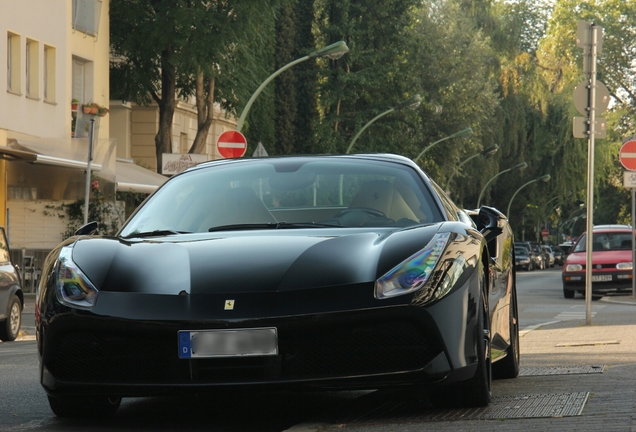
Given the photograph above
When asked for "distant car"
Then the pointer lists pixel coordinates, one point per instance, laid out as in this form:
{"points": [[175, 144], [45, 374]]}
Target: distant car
{"points": [[559, 255], [548, 250], [335, 272], [522, 259], [566, 248], [611, 259], [11, 295], [539, 260]]}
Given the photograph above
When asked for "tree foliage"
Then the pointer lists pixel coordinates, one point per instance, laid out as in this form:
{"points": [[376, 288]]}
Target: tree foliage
{"points": [[504, 68], [185, 48]]}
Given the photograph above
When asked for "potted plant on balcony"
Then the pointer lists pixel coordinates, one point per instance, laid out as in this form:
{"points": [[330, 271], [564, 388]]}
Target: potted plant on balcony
{"points": [[74, 104], [87, 108], [102, 111]]}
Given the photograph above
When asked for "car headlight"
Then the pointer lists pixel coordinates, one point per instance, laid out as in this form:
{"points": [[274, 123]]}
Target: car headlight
{"points": [[74, 289], [573, 267], [624, 266], [412, 274]]}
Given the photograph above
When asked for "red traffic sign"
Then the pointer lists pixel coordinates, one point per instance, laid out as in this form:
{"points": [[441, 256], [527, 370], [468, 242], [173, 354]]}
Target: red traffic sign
{"points": [[231, 144], [628, 155], [545, 233]]}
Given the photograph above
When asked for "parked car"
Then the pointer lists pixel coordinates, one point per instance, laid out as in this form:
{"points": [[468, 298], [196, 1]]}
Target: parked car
{"points": [[522, 259], [361, 273], [559, 255], [537, 256], [611, 259], [11, 294], [550, 255]]}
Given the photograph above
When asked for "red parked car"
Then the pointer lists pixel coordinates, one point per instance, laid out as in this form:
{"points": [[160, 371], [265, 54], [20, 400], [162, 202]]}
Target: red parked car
{"points": [[611, 260]]}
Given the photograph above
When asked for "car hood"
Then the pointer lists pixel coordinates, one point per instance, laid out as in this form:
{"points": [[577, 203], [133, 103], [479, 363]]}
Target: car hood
{"points": [[252, 261], [600, 257]]}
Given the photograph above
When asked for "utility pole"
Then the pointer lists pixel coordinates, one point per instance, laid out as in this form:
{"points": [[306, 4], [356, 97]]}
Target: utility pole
{"points": [[590, 98]]}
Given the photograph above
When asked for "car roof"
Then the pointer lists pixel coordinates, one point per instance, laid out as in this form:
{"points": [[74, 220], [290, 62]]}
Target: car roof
{"points": [[612, 227]]}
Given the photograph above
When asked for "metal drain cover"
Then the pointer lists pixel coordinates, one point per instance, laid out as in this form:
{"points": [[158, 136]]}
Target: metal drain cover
{"points": [[567, 370], [501, 407]]}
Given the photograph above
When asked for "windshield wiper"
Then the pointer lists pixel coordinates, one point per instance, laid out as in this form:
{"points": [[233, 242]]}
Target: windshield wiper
{"points": [[155, 233], [272, 225]]}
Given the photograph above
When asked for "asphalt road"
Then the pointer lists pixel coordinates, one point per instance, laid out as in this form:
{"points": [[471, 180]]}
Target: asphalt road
{"points": [[554, 336]]}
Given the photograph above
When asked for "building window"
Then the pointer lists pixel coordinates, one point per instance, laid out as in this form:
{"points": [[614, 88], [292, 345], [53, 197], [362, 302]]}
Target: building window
{"points": [[13, 63], [82, 80], [49, 74], [86, 15], [32, 69]]}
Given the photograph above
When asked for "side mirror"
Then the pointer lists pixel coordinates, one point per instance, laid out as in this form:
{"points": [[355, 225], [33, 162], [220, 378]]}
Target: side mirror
{"points": [[490, 222], [89, 228]]}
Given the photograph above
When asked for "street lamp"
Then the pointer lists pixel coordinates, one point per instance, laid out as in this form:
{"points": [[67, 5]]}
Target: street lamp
{"points": [[543, 178], [522, 165], [461, 133], [410, 103], [333, 51], [485, 153]]}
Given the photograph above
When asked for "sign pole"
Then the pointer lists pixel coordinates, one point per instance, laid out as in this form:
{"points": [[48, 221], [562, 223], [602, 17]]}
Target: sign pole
{"points": [[590, 179], [633, 248], [87, 192]]}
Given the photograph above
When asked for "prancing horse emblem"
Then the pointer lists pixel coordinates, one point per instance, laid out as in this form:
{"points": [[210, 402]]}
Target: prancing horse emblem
{"points": [[229, 304]]}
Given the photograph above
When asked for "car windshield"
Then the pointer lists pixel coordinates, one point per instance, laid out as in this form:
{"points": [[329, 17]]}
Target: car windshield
{"points": [[275, 193], [606, 241], [521, 251]]}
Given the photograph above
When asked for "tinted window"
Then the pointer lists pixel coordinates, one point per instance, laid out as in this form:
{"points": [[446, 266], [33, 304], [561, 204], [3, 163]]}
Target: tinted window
{"points": [[288, 190], [606, 241], [5, 255]]}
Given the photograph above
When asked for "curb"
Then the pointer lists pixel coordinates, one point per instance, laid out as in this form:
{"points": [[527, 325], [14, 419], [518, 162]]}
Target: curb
{"points": [[625, 301]]}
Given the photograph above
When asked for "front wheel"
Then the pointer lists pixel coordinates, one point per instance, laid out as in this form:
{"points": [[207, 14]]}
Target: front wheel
{"points": [[477, 391], [10, 327], [84, 407], [568, 294], [508, 367]]}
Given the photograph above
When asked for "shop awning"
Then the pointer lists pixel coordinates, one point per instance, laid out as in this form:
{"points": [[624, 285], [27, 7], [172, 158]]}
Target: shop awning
{"points": [[133, 178], [13, 154]]}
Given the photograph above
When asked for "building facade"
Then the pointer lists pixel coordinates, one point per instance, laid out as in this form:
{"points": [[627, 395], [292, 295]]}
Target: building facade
{"points": [[57, 67]]}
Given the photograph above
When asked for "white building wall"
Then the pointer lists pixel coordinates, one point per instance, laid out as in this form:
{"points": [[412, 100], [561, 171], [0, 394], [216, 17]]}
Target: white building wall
{"points": [[45, 21], [31, 119]]}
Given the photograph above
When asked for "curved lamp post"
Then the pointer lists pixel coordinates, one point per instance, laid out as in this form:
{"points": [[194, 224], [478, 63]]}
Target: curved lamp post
{"points": [[543, 178], [485, 153], [461, 133], [518, 166], [410, 103], [333, 51]]}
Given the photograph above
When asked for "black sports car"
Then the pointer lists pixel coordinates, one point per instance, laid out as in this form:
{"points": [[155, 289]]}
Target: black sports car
{"points": [[332, 272]]}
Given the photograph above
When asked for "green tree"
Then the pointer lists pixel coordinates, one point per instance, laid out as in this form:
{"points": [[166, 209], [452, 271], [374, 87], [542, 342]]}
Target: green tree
{"points": [[165, 49]]}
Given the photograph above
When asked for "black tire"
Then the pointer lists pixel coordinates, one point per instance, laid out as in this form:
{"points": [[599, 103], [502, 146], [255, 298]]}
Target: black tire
{"points": [[508, 367], [477, 391], [10, 327], [84, 407], [568, 294]]}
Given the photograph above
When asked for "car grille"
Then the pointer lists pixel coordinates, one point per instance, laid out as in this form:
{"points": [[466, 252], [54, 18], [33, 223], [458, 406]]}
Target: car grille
{"points": [[306, 352]]}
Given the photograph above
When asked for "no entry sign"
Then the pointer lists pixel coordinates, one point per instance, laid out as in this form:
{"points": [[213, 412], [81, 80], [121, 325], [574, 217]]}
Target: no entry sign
{"points": [[231, 144], [628, 155]]}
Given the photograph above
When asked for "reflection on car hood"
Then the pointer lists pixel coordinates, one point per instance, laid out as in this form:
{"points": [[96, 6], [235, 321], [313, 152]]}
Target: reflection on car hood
{"points": [[246, 261]]}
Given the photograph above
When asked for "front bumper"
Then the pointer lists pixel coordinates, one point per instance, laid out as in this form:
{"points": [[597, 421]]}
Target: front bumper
{"points": [[620, 282], [389, 343]]}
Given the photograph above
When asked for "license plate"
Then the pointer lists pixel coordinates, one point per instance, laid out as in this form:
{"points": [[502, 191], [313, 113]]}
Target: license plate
{"points": [[602, 278], [228, 343]]}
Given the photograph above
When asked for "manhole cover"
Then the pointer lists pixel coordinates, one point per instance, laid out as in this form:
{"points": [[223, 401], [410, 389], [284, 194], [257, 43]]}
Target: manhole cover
{"points": [[571, 370], [501, 407]]}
